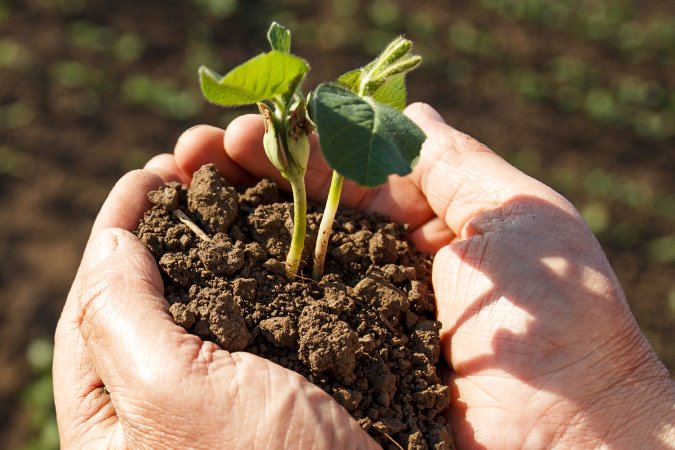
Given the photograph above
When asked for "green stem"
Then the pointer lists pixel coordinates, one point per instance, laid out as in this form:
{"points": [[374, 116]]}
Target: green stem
{"points": [[299, 227], [327, 225]]}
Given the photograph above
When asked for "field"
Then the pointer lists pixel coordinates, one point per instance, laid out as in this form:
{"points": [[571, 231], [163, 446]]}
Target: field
{"points": [[577, 93]]}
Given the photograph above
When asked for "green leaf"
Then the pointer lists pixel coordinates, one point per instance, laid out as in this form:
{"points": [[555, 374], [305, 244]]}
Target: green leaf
{"points": [[392, 92], [351, 80], [395, 50], [260, 78], [279, 38], [364, 140]]}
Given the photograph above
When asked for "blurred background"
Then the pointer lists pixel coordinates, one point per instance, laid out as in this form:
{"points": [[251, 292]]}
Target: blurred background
{"points": [[578, 93]]}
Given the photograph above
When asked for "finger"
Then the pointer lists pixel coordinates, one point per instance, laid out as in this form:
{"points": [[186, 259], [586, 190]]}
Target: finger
{"points": [[460, 177], [243, 143], [456, 179], [128, 201], [78, 389], [432, 235], [132, 340], [399, 199], [165, 166], [204, 144]]}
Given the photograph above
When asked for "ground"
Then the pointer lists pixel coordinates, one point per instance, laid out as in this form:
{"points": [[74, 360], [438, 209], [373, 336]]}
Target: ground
{"points": [[578, 94]]}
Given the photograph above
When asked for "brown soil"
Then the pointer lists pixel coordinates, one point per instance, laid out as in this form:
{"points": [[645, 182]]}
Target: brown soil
{"points": [[365, 333]]}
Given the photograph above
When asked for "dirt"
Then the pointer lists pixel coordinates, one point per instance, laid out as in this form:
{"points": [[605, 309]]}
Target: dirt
{"points": [[365, 333]]}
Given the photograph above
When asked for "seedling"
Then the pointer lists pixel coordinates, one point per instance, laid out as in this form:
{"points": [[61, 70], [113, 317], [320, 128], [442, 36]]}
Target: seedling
{"points": [[363, 133], [272, 80]]}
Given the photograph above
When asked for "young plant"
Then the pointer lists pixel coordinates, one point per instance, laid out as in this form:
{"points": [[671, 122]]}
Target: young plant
{"points": [[272, 80], [364, 135]]}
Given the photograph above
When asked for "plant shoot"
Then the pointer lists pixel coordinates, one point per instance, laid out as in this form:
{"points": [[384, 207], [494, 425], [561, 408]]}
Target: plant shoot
{"points": [[363, 133], [272, 80], [376, 94]]}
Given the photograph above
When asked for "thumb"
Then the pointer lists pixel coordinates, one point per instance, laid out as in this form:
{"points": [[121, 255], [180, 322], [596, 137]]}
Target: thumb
{"points": [[461, 178], [123, 314]]}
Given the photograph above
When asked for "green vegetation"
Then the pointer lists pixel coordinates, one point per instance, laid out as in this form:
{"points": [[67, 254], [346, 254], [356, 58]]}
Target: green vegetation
{"points": [[15, 115], [14, 163], [613, 23], [14, 56], [217, 8], [163, 95], [646, 107], [36, 398], [273, 81]]}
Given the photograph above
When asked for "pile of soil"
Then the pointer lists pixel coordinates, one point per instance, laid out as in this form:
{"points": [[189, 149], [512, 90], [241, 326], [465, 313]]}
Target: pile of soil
{"points": [[365, 333]]}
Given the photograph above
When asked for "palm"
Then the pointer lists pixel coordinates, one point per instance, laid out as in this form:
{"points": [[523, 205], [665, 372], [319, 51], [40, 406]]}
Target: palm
{"points": [[284, 405], [240, 393], [521, 340]]}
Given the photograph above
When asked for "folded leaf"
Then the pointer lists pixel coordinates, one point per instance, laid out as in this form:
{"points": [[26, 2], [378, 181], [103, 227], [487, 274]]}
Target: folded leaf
{"points": [[260, 78], [392, 92], [351, 80], [362, 139], [279, 38]]}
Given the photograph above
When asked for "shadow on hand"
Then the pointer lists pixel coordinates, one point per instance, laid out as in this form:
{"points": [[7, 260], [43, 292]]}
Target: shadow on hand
{"points": [[538, 304]]}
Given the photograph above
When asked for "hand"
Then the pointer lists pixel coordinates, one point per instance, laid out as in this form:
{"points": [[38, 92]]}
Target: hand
{"points": [[495, 318], [126, 376], [544, 350]]}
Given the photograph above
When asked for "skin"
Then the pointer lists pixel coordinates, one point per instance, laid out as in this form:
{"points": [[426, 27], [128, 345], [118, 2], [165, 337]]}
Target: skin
{"points": [[545, 352]]}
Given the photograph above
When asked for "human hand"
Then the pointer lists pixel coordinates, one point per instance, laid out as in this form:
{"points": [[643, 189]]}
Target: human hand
{"points": [[126, 376], [525, 348], [544, 350]]}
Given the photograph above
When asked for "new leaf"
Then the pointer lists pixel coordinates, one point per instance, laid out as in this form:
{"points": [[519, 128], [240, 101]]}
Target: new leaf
{"points": [[279, 38], [362, 139], [263, 77], [392, 92]]}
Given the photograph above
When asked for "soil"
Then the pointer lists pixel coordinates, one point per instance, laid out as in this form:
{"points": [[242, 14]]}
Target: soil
{"points": [[365, 333]]}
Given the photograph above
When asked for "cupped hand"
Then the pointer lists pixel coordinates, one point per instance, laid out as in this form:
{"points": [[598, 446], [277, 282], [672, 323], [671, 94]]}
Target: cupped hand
{"points": [[126, 376], [543, 348]]}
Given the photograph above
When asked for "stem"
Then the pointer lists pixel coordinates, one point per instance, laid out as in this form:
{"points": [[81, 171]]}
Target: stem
{"points": [[327, 224], [299, 227]]}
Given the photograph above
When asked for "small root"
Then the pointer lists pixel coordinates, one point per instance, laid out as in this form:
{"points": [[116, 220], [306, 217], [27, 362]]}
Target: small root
{"points": [[190, 224], [303, 279], [391, 439]]}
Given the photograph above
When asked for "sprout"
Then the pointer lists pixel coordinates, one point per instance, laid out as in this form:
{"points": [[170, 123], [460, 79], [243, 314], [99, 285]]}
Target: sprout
{"points": [[362, 136], [363, 133]]}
